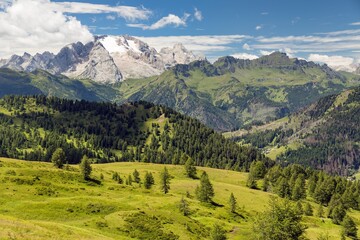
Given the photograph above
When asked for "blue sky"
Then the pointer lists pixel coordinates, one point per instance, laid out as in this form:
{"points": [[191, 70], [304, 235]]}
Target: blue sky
{"points": [[324, 31]]}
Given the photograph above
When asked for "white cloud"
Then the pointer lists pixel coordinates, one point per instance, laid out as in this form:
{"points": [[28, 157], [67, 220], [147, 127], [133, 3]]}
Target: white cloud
{"points": [[336, 62], [355, 24], [258, 27], [34, 26], [264, 13], [171, 19], [198, 15], [264, 52], [110, 17], [127, 12], [244, 56], [246, 47], [199, 44]]}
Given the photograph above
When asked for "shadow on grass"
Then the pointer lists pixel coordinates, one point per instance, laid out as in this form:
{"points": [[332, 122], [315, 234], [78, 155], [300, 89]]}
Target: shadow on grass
{"points": [[93, 181], [215, 204]]}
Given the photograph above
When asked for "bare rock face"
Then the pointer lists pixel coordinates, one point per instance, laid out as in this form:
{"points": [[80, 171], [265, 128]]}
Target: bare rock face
{"points": [[107, 59], [100, 66]]}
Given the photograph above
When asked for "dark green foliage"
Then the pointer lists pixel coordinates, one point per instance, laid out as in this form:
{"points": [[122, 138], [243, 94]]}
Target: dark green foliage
{"points": [[232, 203], [338, 213], [251, 182], [205, 191], [58, 158], [136, 176], [184, 207], [281, 222], [117, 177], [320, 211], [142, 226], [97, 129], [308, 210], [350, 228], [218, 233], [190, 168], [85, 167], [165, 180], [148, 180]]}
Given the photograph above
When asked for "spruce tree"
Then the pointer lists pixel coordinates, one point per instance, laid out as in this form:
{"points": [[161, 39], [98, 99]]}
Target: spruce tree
{"points": [[190, 168], [148, 180], [58, 158], [205, 191], [350, 229], [136, 175], [232, 203], [308, 210], [184, 207], [218, 233], [85, 167], [165, 180]]}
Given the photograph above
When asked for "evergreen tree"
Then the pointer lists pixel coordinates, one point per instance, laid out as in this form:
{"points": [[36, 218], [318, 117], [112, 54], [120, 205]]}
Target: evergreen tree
{"points": [[165, 180], [58, 158], [251, 182], [320, 211], [190, 168], [184, 207], [148, 180], [350, 228], [218, 233], [85, 167], [280, 222], [308, 209], [232, 203], [338, 214], [205, 191], [136, 176]]}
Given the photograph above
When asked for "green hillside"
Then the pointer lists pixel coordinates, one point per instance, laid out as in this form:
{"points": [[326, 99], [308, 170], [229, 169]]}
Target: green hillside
{"points": [[38, 201], [324, 135], [32, 128], [226, 95]]}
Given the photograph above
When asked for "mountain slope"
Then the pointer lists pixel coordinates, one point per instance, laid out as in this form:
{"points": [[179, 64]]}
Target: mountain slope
{"points": [[324, 135], [33, 127], [242, 92]]}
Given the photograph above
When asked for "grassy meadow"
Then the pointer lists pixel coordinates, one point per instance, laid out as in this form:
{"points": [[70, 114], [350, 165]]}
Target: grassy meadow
{"points": [[38, 201]]}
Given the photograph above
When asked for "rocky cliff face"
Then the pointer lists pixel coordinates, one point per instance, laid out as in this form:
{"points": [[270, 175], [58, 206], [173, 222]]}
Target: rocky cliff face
{"points": [[108, 59]]}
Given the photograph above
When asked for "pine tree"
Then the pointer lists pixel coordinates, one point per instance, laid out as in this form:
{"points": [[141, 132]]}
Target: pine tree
{"points": [[136, 175], [350, 229], [338, 214], [320, 211], [165, 180], [148, 180], [218, 233], [232, 203], [58, 158], [184, 207], [85, 167], [205, 191], [280, 222], [190, 168], [251, 182], [308, 209]]}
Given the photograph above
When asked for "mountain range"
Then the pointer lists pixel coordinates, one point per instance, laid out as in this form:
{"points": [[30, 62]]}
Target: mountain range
{"points": [[107, 59]]}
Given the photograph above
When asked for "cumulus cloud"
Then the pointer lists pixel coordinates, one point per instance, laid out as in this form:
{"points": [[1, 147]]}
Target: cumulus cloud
{"points": [[336, 62], [244, 56], [35, 26], [171, 19], [258, 27], [198, 15]]}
